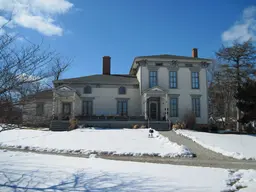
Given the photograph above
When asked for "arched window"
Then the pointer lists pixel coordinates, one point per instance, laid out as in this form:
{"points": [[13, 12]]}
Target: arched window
{"points": [[87, 89], [122, 91]]}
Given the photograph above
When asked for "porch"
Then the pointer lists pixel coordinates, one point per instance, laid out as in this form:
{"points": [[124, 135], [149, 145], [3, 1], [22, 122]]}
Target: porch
{"points": [[155, 104], [65, 102], [62, 125]]}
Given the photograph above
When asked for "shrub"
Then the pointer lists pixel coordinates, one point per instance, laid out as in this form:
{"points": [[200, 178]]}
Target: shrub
{"points": [[135, 126], [249, 129], [178, 125], [189, 119], [214, 128]]}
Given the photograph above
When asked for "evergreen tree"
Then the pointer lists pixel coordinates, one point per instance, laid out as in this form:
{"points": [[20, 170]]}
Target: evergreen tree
{"points": [[242, 58], [246, 97]]}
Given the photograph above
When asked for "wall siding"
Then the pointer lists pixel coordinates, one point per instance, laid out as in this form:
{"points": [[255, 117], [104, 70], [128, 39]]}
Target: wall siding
{"points": [[29, 112], [184, 90], [104, 100]]}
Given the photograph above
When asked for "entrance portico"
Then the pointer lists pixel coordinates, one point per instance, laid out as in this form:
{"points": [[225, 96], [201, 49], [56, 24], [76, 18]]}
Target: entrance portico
{"points": [[155, 104]]}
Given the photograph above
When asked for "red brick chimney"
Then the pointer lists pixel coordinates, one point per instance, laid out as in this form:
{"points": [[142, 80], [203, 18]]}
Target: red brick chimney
{"points": [[106, 65], [194, 53]]}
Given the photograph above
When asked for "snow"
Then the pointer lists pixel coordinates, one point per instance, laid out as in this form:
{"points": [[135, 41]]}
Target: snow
{"points": [[236, 146], [36, 172], [88, 141]]}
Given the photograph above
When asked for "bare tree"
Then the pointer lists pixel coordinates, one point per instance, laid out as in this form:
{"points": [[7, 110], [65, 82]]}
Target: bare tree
{"points": [[60, 65], [21, 71], [242, 58], [221, 95]]}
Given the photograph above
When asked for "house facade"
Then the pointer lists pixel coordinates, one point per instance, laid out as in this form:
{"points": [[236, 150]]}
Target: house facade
{"points": [[158, 87]]}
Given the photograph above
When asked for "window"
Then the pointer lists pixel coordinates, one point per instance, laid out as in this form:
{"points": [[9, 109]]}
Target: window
{"points": [[121, 91], [159, 64], [173, 79], [188, 65], [174, 107], [196, 106], [87, 108], [87, 90], [195, 80], [152, 79], [122, 107], [39, 109]]}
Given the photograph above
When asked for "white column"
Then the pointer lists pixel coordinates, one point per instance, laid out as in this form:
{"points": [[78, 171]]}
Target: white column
{"points": [[74, 101], [145, 105], [166, 115], [53, 103]]}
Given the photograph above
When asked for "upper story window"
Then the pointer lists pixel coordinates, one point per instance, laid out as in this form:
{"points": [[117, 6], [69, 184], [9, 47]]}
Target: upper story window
{"points": [[87, 89], [159, 64], [152, 79], [173, 79], [122, 91], [195, 80]]}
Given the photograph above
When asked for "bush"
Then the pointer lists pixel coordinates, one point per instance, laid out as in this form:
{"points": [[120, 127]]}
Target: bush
{"points": [[135, 126], [190, 120], [214, 128], [178, 125], [203, 129], [249, 129]]}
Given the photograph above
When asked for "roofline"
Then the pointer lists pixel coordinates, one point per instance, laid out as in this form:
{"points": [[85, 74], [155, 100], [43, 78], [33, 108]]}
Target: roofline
{"points": [[98, 83], [74, 78], [159, 57]]}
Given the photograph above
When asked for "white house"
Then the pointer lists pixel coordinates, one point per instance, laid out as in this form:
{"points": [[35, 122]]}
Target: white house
{"points": [[157, 87]]}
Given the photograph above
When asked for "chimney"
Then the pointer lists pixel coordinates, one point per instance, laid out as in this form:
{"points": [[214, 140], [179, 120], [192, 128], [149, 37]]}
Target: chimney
{"points": [[194, 53], [106, 65]]}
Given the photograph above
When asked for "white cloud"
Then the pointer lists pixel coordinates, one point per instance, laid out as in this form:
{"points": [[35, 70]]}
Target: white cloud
{"points": [[243, 29], [3, 21], [36, 14]]}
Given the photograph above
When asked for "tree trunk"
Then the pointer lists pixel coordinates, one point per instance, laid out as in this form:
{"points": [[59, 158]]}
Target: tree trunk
{"points": [[238, 112]]}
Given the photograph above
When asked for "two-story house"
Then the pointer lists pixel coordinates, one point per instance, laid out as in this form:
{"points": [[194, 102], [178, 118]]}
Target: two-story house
{"points": [[158, 87]]}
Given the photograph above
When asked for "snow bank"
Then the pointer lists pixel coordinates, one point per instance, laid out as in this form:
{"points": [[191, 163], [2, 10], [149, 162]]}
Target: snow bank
{"points": [[236, 146], [88, 141], [34, 172]]}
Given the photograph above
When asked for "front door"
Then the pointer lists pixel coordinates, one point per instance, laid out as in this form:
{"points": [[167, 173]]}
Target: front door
{"points": [[66, 109], [153, 110]]}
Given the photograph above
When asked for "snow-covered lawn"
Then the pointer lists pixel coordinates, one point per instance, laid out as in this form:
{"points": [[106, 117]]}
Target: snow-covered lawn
{"points": [[236, 146], [87, 141], [34, 172]]}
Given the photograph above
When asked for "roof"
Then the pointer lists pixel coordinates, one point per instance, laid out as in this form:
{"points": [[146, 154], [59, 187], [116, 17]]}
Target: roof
{"points": [[167, 56], [46, 94], [116, 79]]}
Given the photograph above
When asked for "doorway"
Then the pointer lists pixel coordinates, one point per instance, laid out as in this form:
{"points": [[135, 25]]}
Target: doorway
{"points": [[153, 110], [66, 109]]}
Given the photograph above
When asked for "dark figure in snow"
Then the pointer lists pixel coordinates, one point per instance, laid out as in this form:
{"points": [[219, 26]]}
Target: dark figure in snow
{"points": [[151, 131]]}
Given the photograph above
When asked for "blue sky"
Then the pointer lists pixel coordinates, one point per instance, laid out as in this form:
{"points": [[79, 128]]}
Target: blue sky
{"points": [[89, 29]]}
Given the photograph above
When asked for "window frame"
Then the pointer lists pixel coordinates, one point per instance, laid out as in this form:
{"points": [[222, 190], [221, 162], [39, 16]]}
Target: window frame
{"points": [[88, 87], [173, 77], [176, 112], [196, 106], [87, 107], [40, 113], [155, 78], [121, 105], [195, 80], [120, 92]]}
